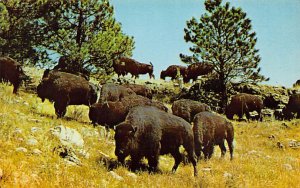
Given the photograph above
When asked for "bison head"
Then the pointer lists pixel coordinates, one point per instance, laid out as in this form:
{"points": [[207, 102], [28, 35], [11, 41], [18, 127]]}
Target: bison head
{"points": [[125, 140], [228, 112], [163, 75]]}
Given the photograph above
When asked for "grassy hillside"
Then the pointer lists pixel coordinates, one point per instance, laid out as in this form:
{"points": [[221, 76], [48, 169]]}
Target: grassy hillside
{"points": [[258, 162]]}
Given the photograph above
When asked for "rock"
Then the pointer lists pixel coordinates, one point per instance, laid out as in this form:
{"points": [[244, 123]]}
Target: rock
{"points": [[84, 153], [294, 144], [67, 153], [287, 166], [35, 129], [208, 169], [36, 152], [68, 135], [116, 176], [132, 175], [227, 175], [21, 149], [32, 142], [271, 137], [18, 131], [280, 145]]}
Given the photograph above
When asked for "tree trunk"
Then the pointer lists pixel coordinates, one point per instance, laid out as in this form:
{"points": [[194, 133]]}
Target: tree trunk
{"points": [[223, 90]]}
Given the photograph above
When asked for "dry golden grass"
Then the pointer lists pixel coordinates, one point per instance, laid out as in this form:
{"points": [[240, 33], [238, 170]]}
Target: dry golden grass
{"points": [[258, 161]]}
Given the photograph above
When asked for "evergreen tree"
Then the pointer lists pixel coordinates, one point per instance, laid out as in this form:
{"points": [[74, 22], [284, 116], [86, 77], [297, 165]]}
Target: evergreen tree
{"points": [[223, 37]]}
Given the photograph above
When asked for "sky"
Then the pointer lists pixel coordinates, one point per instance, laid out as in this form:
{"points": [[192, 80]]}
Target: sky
{"points": [[157, 27]]}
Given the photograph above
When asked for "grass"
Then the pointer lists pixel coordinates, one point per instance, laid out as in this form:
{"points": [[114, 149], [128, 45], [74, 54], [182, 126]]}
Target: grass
{"points": [[258, 161]]}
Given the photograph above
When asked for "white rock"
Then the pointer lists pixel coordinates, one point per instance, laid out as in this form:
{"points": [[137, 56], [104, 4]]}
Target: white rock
{"points": [[287, 166], [68, 135], [21, 149], [32, 142], [84, 153], [35, 129], [227, 175], [116, 176], [36, 152], [18, 131], [132, 175], [208, 169]]}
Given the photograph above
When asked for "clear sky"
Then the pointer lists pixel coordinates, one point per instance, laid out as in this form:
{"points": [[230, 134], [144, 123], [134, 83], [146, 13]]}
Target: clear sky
{"points": [[157, 27]]}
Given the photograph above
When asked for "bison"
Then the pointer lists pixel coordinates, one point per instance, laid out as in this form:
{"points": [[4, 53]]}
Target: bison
{"points": [[114, 92], [127, 65], [111, 113], [244, 103], [11, 71], [140, 90], [66, 89], [293, 106], [196, 69], [149, 132], [211, 129], [172, 72], [187, 108]]}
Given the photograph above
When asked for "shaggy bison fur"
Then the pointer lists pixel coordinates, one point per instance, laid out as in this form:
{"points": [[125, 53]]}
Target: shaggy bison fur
{"points": [[11, 71], [172, 72], [293, 107], [196, 69], [66, 89], [244, 103], [140, 90], [209, 130], [112, 113], [149, 132], [114, 92], [187, 108]]}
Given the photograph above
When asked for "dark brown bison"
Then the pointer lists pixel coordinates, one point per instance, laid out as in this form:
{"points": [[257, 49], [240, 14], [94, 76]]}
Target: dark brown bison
{"points": [[297, 83], [187, 108], [172, 72], [244, 103], [114, 92], [66, 89], [211, 129], [293, 107], [11, 71], [140, 90], [127, 65], [196, 69], [149, 132], [111, 113]]}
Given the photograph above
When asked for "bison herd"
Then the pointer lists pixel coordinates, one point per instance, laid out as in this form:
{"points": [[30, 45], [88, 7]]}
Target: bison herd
{"points": [[144, 127]]}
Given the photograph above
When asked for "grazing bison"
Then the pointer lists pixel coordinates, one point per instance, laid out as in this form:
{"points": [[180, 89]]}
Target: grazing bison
{"points": [[111, 113], [187, 108], [292, 107], [297, 83], [196, 69], [211, 129], [172, 72], [140, 90], [149, 132], [66, 89], [244, 103], [114, 92], [127, 65], [11, 71]]}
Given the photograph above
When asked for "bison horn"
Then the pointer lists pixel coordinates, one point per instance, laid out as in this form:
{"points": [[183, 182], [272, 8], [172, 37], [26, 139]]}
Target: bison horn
{"points": [[151, 64]]}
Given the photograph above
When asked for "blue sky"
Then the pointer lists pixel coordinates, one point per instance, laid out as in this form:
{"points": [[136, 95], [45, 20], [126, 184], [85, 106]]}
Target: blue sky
{"points": [[157, 27]]}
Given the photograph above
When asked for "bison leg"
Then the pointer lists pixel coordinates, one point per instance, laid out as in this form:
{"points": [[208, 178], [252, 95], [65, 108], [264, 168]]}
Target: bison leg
{"points": [[208, 150], [178, 158], [223, 149], [16, 87], [189, 148]]}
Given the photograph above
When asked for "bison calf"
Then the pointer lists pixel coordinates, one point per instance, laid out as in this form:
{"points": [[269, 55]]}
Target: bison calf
{"points": [[187, 108], [209, 130], [244, 103], [149, 132]]}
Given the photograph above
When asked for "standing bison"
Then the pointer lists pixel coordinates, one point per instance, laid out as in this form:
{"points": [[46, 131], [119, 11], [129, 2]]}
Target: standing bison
{"points": [[111, 113], [244, 103], [293, 107], [187, 108], [196, 69], [66, 89], [126, 65], [212, 129], [11, 71], [149, 132], [172, 72]]}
